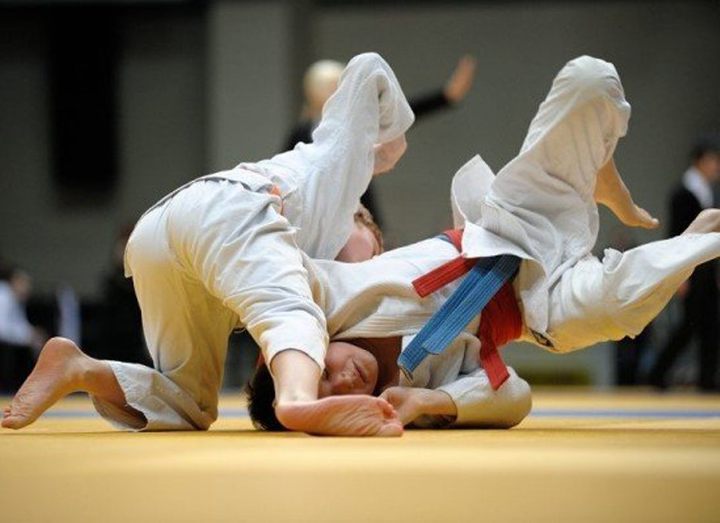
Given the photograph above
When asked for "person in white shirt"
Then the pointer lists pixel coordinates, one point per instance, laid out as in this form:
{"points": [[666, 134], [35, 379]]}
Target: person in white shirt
{"points": [[224, 252], [15, 329]]}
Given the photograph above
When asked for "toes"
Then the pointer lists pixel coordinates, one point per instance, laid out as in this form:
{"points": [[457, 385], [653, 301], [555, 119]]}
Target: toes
{"points": [[653, 223], [9, 422]]}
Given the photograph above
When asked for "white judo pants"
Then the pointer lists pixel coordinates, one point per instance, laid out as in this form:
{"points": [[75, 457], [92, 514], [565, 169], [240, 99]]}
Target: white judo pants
{"points": [[214, 257], [596, 301]]}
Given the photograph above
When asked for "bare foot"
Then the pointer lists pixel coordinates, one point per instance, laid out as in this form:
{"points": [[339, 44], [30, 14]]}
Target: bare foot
{"points": [[611, 191], [707, 221], [636, 216], [352, 415], [56, 374]]}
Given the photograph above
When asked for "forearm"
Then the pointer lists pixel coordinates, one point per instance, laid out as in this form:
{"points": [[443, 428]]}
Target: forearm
{"points": [[434, 403], [368, 109], [414, 404], [479, 405], [429, 103], [296, 377]]}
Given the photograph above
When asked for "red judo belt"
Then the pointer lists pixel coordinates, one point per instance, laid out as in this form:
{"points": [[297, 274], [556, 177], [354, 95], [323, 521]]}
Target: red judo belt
{"points": [[500, 321]]}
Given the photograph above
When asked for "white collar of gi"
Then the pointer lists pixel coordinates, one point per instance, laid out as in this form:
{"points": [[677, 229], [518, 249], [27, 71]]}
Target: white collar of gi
{"points": [[694, 182]]}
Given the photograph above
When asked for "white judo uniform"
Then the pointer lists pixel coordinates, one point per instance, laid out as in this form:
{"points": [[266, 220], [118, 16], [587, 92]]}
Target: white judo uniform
{"points": [[224, 252], [457, 372], [540, 207]]}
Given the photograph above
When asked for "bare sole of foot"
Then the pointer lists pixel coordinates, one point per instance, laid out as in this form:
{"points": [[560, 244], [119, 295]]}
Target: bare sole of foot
{"points": [[55, 376], [707, 221], [342, 416]]}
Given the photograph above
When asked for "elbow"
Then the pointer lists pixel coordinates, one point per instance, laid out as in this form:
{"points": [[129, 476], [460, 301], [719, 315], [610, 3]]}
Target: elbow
{"points": [[518, 401], [367, 64], [593, 76], [367, 58]]}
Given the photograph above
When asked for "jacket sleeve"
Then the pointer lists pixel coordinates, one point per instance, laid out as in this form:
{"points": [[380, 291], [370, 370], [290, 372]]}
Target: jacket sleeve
{"points": [[368, 108], [478, 405]]}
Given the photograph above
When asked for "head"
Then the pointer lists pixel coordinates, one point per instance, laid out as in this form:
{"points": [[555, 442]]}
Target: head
{"points": [[705, 157], [365, 241], [349, 369], [319, 83], [19, 281]]}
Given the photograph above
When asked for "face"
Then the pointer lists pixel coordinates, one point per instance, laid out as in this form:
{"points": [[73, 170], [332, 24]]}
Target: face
{"points": [[362, 245], [21, 285], [709, 165], [348, 370]]}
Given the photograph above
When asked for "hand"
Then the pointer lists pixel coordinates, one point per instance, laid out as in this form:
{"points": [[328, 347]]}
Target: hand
{"points": [[406, 401], [388, 154], [461, 80]]}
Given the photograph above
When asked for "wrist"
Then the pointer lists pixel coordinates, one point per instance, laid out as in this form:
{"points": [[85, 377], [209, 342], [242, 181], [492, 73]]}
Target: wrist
{"points": [[436, 403]]}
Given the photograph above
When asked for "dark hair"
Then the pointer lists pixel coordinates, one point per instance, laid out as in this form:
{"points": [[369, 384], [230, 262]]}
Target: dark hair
{"points": [[707, 144], [364, 217], [261, 397]]}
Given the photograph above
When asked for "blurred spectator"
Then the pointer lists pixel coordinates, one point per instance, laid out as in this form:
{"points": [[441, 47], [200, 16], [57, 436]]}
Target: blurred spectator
{"points": [[700, 294], [320, 82], [15, 328], [20, 341]]}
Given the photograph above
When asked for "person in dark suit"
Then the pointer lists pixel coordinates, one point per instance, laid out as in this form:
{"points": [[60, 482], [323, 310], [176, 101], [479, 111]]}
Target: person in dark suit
{"points": [[320, 82], [700, 294]]}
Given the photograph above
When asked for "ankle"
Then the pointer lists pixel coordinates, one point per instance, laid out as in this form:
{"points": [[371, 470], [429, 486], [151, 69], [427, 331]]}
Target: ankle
{"points": [[88, 375]]}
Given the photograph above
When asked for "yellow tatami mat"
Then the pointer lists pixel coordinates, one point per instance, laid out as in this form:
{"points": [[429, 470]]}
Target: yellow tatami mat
{"points": [[580, 456]]}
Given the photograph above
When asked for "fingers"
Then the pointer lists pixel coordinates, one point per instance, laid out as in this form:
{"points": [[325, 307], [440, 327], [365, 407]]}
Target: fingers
{"points": [[387, 394], [387, 409], [391, 429]]}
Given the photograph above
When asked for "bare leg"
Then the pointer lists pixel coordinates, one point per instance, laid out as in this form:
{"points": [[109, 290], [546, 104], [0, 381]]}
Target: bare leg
{"points": [[62, 368], [612, 192], [707, 221], [296, 383]]}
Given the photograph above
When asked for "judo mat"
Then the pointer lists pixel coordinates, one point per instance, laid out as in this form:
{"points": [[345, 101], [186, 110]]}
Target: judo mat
{"points": [[580, 456]]}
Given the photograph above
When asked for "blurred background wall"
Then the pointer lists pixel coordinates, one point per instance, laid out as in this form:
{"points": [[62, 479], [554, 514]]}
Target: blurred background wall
{"points": [[201, 85]]}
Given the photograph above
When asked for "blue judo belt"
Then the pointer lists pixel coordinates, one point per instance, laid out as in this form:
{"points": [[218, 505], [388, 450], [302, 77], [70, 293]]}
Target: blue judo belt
{"points": [[479, 286]]}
